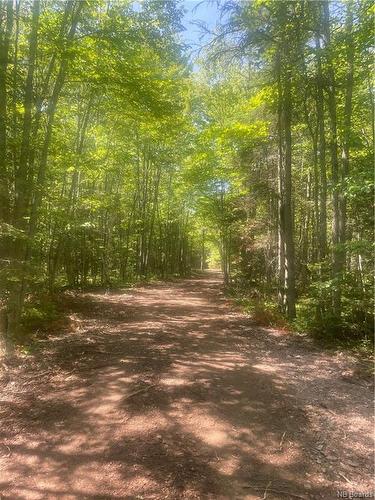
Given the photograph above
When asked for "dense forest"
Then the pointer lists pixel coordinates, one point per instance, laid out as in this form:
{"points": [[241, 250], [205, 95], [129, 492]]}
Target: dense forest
{"points": [[127, 155], [186, 249]]}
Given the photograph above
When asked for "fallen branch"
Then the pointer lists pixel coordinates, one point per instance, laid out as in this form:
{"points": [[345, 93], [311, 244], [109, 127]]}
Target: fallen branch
{"points": [[280, 492], [144, 389], [344, 477], [9, 451], [282, 441], [265, 491], [323, 405]]}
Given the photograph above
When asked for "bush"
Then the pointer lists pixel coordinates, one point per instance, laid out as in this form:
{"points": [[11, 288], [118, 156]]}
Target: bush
{"points": [[267, 314], [353, 329], [38, 313]]}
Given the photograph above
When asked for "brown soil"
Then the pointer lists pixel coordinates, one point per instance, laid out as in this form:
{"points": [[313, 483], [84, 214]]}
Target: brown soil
{"points": [[168, 392]]}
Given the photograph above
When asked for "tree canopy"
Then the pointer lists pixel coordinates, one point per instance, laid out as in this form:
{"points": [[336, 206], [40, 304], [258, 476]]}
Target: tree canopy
{"points": [[121, 160]]}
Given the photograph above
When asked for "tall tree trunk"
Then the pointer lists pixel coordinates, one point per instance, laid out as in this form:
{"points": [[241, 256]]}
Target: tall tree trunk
{"points": [[5, 36], [6, 12], [288, 210], [15, 299], [21, 175], [203, 250], [17, 294], [283, 70], [322, 154], [350, 53], [42, 96], [280, 186], [337, 264], [50, 113]]}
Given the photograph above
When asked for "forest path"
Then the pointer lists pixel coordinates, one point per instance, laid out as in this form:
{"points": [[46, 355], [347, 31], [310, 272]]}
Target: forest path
{"points": [[167, 392]]}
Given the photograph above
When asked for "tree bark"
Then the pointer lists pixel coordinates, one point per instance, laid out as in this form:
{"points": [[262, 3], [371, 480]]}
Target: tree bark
{"points": [[350, 54], [5, 36], [322, 154], [280, 186], [21, 175], [337, 266], [288, 210], [17, 293]]}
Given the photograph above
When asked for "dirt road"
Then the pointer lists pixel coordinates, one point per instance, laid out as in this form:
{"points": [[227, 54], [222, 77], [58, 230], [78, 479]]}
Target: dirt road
{"points": [[168, 392]]}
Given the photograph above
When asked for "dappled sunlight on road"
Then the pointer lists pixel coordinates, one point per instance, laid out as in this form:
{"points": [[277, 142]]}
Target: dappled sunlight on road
{"points": [[167, 392]]}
